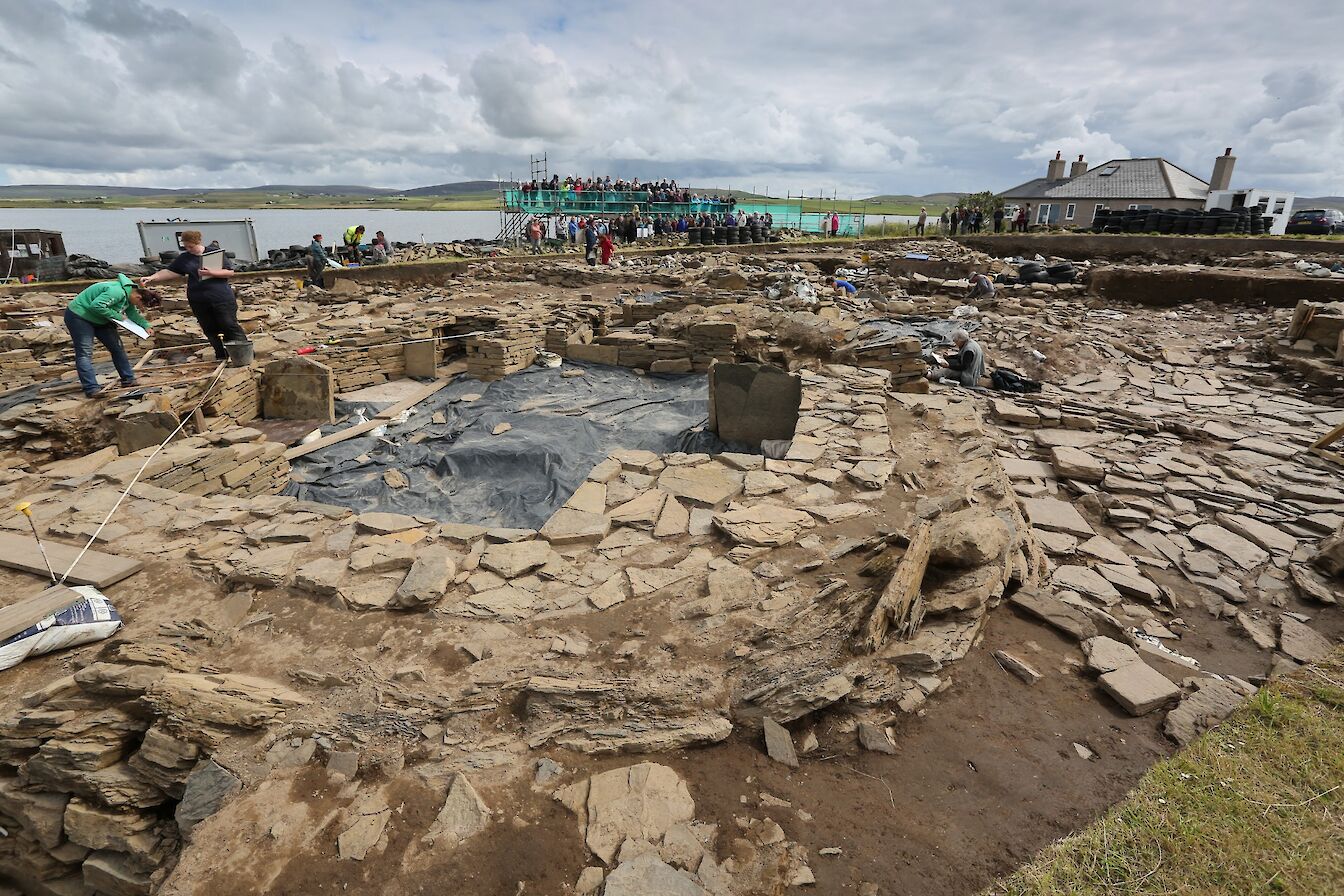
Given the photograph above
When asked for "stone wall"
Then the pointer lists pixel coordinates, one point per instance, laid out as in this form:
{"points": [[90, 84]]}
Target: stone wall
{"points": [[107, 772]]}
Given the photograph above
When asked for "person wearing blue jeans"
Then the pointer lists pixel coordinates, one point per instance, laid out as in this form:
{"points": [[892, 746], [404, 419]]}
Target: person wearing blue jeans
{"points": [[91, 316]]}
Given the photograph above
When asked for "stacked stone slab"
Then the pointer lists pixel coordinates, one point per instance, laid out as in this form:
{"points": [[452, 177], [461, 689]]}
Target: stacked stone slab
{"points": [[903, 358], [711, 341], [105, 773], [18, 367], [508, 350], [62, 427], [638, 312], [235, 397], [368, 358], [236, 461]]}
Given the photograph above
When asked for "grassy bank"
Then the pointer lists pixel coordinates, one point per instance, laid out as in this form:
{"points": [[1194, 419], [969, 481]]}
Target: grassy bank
{"points": [[1256, 806]]}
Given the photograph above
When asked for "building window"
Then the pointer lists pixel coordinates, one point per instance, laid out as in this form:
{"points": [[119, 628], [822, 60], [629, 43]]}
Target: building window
{"points": [[1279, 205], [1043, 213], [1069, 210], [1133, 207], [1098, 210]]}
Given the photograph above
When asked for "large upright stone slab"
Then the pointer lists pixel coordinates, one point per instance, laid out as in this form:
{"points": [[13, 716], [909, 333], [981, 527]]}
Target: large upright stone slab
{"points": [[422, 357], [144, 424], [298, 389], [749, 403]]}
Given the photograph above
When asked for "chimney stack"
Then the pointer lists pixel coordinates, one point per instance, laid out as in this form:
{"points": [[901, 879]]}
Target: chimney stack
{"points": [[1078, 167], [1222, 171], [1055, 170]]}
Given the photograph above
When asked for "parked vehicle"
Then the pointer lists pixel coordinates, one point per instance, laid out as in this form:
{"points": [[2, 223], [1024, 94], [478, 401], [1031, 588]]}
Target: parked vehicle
{"points": [[1316, 220]]}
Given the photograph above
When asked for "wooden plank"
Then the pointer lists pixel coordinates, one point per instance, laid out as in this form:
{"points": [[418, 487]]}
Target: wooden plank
{"points": [[95, 568], [412, 401], [1329, 438], [360, 428], [900, 603], [32, 610], [348, 433]]}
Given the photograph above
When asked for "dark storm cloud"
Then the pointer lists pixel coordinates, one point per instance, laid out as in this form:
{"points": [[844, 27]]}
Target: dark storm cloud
{"points": [[862, 97]]}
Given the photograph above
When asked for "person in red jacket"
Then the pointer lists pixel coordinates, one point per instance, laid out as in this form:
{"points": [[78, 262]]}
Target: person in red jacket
{"points": [[606, 246]]}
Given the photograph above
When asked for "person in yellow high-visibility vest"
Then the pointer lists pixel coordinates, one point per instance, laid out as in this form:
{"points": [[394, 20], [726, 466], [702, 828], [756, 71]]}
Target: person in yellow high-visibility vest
{"points": [[354, 235]]}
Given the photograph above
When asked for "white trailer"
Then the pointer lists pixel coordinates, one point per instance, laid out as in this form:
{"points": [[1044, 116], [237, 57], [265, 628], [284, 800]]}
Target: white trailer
{"points": [[237, 237], [1276, 203]]}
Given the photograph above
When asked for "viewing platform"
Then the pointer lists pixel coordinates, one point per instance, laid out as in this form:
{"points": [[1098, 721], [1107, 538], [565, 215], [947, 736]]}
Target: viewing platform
{"points": [[604, 202]]}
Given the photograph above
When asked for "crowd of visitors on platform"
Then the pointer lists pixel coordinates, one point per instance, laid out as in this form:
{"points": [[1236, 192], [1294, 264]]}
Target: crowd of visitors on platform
{"points": [[972, 220], [654, 191], [575, 229]]}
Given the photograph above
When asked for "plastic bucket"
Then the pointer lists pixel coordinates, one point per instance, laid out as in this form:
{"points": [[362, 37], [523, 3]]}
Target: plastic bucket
{"points": [[240, 353]]}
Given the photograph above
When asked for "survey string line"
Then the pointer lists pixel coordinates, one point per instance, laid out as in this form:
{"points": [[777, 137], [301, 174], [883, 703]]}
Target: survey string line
{"points": [[136, 478]]}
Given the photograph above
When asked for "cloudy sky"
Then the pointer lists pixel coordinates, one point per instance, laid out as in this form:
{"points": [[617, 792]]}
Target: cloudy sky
{"points": [[857, 97]]}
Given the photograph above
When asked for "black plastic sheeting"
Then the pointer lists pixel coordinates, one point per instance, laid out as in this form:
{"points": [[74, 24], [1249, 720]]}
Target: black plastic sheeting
{"points": [[32, 393], [562, 426], [932, 331]]}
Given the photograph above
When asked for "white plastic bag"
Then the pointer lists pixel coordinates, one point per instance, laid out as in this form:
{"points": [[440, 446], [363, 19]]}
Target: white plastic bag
{"points": [[91, 619]]}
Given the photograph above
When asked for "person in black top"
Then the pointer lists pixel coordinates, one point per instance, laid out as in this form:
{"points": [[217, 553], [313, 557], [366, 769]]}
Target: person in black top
{"points": [[208, 292]]}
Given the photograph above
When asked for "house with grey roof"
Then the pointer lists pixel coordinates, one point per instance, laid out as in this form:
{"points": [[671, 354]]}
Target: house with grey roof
{"points": [[1073, 200]]}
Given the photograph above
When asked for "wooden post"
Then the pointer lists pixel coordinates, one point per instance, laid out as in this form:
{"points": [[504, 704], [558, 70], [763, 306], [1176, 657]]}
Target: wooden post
{"points": [[1302, 316], [900, 605]]}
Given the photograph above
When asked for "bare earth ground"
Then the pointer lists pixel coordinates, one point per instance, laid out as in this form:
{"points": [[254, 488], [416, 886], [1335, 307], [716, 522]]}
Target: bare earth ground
{"points": [[984, 774]]}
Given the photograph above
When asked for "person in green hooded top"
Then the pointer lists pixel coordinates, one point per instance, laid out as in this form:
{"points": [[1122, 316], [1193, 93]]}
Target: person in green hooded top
{"points": [[92, 315]]}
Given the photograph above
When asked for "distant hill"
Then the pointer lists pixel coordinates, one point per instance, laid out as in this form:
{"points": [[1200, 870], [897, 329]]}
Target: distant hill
{"points": [[1302, 202], [69, 192], [457, 189], [79, 191]]}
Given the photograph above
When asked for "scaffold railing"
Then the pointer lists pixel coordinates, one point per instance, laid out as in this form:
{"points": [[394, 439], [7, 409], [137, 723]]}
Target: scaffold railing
{"points": [[609, 202]]}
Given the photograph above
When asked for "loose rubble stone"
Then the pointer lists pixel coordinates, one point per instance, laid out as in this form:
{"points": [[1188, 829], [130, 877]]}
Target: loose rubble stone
{"points": [[368, 819], [1139, 688], [1017, 666], [1054, 612], [969, 538], [1301, 642], [649, 875], [1077, 464], [1054, 515], [639, 802], [429, 578], [876, 738], [570, 526], [513, 559], [1202, 709], [463, 815], [208, 788], [763, 525], [779, 743], [707, 485], [1106, 654], [378, 523], [1232, 546]]}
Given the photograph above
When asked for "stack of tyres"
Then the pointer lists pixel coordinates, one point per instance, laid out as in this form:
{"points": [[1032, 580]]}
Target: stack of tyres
{"points": [[730, 235], [693, 235], [1061, 273], [720, 236], [743, 234]]}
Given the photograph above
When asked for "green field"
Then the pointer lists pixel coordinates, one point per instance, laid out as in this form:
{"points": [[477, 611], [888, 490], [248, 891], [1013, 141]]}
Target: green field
{"points": [[476, 201], [1255, 806]]}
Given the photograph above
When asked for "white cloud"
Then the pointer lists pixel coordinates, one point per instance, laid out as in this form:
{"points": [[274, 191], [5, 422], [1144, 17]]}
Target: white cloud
{"points": [[787, 93]]}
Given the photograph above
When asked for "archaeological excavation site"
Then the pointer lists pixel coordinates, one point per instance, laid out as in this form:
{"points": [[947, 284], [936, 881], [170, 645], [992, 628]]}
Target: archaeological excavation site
{"points": [[673, 577]]}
